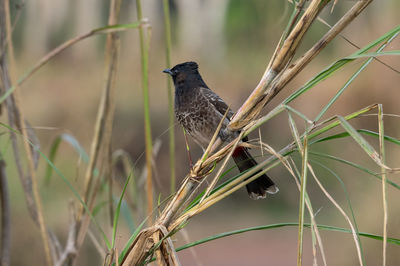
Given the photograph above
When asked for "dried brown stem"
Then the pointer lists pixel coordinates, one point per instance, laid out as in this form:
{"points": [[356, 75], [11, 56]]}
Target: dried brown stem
{"points": [[300, 63], [70, 247], [21, 118], [103, 127], [278, 63], [5, 243]]}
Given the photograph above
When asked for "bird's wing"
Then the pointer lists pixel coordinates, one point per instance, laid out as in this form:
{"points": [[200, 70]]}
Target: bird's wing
{"points": [[217, 102]]}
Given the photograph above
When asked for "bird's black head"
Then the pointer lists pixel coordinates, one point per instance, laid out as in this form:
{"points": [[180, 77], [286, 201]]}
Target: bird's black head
{"points": [[186, 73]]}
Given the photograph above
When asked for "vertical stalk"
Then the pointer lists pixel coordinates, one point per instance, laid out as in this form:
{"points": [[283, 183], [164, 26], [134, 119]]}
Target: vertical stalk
{"points": [[5, 240], [103, 126], [23, 128], [171, 114], [147, 129], [384, 196], [303, 185]]}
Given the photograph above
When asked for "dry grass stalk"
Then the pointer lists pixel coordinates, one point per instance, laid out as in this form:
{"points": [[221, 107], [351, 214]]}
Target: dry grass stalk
{"points": [[23, 128], [102, 132], [303, 61], [5, 241], [279, 62], [267, 89]]}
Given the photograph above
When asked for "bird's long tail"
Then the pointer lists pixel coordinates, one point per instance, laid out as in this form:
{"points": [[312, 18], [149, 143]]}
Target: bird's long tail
{"points": [[258, 188]]}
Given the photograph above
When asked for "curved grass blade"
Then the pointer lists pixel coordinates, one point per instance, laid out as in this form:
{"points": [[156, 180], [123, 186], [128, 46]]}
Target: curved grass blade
{"points": [[359, 167], [362, 131], [353, 77], [390, 240], [330, 70], [362, 142], [348, 202], [337, 123], [116, 215]]}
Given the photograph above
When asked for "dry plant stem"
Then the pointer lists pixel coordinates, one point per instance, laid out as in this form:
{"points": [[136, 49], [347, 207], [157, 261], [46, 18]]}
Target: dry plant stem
{"points": [[280, 61], [11, 115], [215, 180], [140, 247], [300, 63], [5, 217], [112, 54], [116, 257], [172, 207], [70, 248], [299, 8], [104, 120], [21, 118], [159, 256]]}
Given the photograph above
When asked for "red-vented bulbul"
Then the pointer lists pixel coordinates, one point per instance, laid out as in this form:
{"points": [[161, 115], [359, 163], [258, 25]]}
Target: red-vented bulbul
{"points": [[199, 110]]}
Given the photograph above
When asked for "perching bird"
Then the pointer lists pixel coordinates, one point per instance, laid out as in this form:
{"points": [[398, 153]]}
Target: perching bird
{"points": [[199, 110]]}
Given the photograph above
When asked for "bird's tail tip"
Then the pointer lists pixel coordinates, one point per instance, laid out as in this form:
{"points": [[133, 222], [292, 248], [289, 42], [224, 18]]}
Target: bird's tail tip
{"points": [[262, 194], [272, 189]]}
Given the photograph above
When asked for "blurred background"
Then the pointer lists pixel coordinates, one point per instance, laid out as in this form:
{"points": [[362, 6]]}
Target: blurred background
{"points": [[232, 40]]}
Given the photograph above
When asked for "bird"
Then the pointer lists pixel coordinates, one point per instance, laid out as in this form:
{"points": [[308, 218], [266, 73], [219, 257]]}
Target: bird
{"points": [[199, 110]]}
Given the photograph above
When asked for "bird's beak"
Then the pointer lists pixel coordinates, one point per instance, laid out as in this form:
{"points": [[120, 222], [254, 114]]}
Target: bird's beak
{"points": [[168, 71]]}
